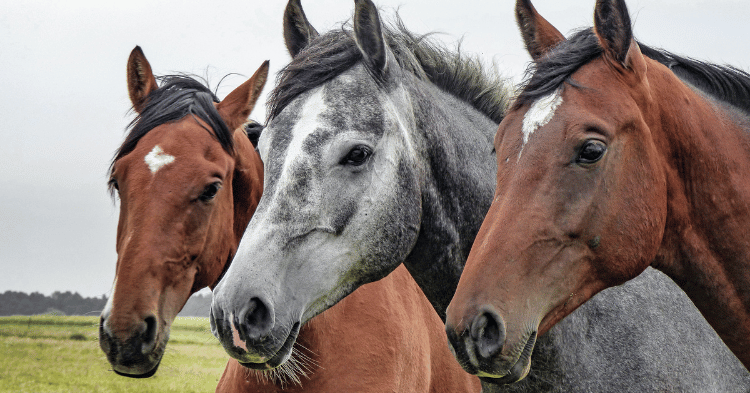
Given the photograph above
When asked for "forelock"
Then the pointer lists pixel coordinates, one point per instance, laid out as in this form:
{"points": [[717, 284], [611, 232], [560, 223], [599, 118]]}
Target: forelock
{"points": [[179, 96], [546, 75]]}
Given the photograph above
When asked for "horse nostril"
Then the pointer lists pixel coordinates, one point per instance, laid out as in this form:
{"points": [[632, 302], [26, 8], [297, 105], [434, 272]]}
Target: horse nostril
{"points": [[148, 336], [256, 320], [488, 333]]}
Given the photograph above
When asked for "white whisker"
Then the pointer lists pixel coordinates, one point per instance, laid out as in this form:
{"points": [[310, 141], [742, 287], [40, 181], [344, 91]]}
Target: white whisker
{"points": [[299, 366]]}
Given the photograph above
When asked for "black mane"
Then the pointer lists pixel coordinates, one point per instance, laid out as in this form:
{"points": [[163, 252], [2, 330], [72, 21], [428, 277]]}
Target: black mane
{"points": [[178, 97], [329, 55], [724, 83], [551, 71]]}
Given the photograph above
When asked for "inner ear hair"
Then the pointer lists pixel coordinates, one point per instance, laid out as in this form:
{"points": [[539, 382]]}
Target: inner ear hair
{"points": [[613, 28], [298, 32], [539, 36], [368, 35], [141, 80]]}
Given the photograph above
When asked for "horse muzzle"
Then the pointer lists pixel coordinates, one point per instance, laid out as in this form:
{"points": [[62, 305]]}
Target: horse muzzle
{"points": [[138, 354], [481, 348], [249, 334]]}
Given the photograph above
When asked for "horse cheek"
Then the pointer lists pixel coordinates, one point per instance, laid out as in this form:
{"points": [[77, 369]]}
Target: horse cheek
{"points": [[636, 213]]}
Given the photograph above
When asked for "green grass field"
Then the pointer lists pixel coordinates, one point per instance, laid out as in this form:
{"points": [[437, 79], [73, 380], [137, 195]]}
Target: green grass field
{"points": [[61, 354]]}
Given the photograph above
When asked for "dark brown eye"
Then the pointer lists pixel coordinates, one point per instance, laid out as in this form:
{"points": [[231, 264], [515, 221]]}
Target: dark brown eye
{"points": [[112, 184], [357, 156], [209, 193], [591, 152]]}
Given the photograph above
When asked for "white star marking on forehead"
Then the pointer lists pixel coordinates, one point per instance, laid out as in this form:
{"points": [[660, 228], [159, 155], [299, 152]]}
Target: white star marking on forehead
{"points": [[540, 113], [157, 159]]}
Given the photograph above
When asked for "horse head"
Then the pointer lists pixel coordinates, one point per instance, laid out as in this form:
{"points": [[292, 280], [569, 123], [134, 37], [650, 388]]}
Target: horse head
{"points": [[337, 160], [188, 180], [580, 203]]}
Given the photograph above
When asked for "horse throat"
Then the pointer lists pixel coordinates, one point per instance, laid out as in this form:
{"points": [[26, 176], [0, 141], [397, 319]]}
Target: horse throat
{"points": [[459, 182]]}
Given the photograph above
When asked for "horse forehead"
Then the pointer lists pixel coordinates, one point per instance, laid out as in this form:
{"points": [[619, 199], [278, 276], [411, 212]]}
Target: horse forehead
{"points": [[353, 103], [184, 145], [310, 121], [157, 159], [353, 89], [347, 103], [541, 112]]}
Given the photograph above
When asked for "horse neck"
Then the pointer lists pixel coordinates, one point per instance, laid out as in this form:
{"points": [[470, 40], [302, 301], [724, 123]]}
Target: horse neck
{"points": [[706, 246], [459, 180]]}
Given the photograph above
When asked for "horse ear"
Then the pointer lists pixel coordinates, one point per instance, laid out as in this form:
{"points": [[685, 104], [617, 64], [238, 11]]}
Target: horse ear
{"points": [[298, 32], [368, 34], [236, 107], [539, 36], [141, 80], [612, 27]]}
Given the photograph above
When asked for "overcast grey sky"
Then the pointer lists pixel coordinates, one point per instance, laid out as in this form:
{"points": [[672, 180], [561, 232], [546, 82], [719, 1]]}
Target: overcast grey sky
{"points": [[64, 104]]}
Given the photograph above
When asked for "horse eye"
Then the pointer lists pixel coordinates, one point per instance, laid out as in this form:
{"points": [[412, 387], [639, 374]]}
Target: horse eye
{"points": [[357, 156], [209, 193], [591, 152], [112, 184]]}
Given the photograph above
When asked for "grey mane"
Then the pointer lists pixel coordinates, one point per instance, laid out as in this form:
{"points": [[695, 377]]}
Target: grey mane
{"points": [[329, 55]]}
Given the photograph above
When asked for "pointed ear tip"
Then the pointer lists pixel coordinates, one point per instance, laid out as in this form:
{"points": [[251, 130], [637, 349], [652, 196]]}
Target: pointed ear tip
{"points": [[137, 51], [262, 72], [292, 6]]}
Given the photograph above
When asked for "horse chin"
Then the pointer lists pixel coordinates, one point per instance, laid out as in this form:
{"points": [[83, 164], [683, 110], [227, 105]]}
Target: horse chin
{"points": [[281, 356], [129, 362], [130, 373]]}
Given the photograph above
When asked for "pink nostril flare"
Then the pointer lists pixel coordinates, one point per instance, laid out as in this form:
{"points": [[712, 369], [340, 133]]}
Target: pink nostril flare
{"points": [[236, 340]]}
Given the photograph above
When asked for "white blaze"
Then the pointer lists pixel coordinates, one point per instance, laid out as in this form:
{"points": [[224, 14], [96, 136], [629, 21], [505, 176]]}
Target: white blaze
{"points": [[307, 124], [540, 113], [157, 159]]}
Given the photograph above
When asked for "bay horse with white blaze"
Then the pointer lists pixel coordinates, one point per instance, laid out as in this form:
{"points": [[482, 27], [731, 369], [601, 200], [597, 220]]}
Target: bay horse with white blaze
{"points": [[188, 188], [378, 153], [614, 157]]}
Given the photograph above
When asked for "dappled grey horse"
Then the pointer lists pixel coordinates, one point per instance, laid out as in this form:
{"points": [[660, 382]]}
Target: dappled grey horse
{"points": [[379, 152]]}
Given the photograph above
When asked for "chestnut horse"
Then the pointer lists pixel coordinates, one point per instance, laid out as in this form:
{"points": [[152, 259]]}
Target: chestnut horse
{"points": [[614, 157], [188, 188]]}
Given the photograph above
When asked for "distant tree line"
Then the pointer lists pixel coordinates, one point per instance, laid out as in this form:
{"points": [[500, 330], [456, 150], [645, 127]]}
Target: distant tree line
{"points": [[69, 303], [66, 303]]}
